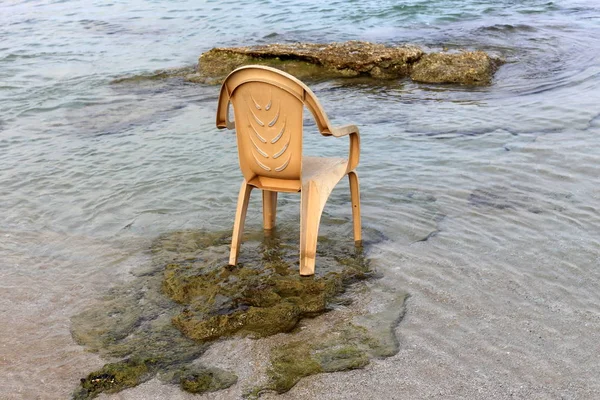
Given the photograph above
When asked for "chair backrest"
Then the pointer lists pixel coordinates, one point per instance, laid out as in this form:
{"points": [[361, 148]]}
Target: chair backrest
{"points": [[268, 105]]}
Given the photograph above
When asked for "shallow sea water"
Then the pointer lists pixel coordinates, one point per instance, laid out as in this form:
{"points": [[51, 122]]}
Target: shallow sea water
{"points": [[489, 198]]}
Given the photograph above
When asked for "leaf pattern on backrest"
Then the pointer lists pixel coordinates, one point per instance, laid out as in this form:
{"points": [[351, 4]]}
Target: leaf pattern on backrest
{"points": [[268, 139]]}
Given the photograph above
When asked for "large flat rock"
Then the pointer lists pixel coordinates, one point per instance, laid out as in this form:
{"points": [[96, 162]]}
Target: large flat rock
{"points": [[314, 61], [351, 59]]}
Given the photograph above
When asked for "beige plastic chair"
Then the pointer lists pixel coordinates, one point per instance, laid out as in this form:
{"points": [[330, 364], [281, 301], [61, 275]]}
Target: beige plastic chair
{"points": [[268, 106]]}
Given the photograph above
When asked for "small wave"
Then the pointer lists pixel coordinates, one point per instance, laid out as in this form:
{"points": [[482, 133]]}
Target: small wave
{"points": [[508, 28]]}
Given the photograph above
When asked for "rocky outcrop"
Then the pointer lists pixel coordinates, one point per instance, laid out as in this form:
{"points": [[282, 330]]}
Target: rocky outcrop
{"points": [[351, 59], [313, 61]]}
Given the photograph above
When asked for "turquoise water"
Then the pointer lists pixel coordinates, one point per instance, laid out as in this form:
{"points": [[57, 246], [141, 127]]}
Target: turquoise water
{"points": [[502, 180]]}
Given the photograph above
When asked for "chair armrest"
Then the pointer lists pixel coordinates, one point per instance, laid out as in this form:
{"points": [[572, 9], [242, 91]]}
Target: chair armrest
{"points": [[354, 151], [344, 130]]}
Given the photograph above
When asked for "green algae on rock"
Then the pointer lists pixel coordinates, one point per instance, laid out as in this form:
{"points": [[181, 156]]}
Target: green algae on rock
{"points": [[133, 322], [115, 377], [344, 346], [262, 296], [162, 321], [200, 379]]}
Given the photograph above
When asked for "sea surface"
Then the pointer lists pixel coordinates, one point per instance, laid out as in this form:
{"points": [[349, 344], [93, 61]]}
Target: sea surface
{"points": [[488, 198]]}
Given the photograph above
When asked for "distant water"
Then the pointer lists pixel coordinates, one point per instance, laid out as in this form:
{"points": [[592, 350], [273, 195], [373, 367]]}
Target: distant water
{"points": [[489, 197]]}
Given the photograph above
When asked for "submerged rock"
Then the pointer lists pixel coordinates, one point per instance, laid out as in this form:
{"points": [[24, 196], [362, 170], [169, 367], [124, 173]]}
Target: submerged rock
{"points": [[345, 345], [263, 296], [157, 75], [200, 379], [114, 377], [518, 198], [161, 322]]}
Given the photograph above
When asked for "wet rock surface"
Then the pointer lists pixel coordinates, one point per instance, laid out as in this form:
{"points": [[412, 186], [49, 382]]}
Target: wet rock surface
{"points": [[468, 68], [261, 296], [352, 59], [314, 61], [164, 320]]}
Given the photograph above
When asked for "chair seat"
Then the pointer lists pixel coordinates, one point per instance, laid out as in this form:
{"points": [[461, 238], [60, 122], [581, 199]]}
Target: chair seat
{"points": [[324, 171]]}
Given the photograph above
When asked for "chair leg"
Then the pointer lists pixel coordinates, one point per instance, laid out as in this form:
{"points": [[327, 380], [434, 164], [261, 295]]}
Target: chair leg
{"points": [[269, 209], [312, 206], [238, 225], [355, 195]]}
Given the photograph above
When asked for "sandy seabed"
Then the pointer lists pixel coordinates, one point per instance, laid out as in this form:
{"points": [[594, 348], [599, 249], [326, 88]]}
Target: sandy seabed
{"points": [[470, 331]]}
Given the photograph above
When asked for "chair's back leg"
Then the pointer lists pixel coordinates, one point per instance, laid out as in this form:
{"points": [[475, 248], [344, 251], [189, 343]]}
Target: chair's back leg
{"points": [[355, 196], [269, 209], [238, 225]]}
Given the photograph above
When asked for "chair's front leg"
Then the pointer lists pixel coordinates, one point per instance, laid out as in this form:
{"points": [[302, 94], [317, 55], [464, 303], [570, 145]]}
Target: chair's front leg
{"points": [[310, 217], [269, 209], [240, 218]]}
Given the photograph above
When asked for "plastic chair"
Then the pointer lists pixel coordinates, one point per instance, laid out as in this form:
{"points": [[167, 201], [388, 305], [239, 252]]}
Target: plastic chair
{"points": [[268, 105]]}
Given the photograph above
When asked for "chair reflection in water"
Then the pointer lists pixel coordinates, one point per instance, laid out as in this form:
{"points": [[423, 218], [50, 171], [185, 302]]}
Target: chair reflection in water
{"points": [[268, 105]]}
